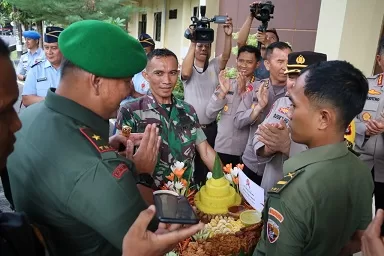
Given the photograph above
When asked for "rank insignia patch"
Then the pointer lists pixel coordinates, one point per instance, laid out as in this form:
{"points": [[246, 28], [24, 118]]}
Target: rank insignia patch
{"points": [[249, 88], [273, 231], [99, 143], [119, 171], [281, 184]]}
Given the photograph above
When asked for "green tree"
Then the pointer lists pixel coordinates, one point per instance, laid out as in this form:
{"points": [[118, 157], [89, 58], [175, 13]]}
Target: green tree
{"points": [[69, 11]]}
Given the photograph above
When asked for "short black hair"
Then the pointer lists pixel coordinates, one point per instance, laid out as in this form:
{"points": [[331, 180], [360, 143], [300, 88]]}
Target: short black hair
{"points": [[67, 67], [337, 83], [4, 50], [380, 49], [250, 49], [273, 46], [273, 30], [161, 53]]}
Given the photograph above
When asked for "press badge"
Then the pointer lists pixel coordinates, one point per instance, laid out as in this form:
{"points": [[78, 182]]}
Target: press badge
{"points": [[42, 79]]}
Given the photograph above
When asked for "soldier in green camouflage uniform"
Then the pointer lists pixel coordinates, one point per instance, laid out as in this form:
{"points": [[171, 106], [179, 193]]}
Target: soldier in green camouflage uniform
{"points": [[177, 121]]}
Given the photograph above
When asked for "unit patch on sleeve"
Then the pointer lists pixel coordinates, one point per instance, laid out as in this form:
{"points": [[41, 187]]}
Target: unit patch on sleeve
{"points": [[276, 214], [120, 170], [273, 231]]}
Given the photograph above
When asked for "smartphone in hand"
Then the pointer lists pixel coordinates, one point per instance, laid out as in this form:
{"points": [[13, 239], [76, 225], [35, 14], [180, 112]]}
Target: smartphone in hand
{"points": [[173, 208]]}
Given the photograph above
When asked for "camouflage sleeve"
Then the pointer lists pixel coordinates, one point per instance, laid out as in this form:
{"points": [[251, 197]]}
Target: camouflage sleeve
{"points": [[200, 135], [126, 116]]}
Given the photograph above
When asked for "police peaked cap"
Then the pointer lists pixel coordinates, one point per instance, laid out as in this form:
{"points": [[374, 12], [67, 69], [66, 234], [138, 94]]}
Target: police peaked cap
{"points": [[297, 61]]}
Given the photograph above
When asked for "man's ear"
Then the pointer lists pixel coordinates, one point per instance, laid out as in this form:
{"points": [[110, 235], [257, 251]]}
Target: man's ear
{"points": [[96, 82], [145, 75], [267, 64], [326, 118]]}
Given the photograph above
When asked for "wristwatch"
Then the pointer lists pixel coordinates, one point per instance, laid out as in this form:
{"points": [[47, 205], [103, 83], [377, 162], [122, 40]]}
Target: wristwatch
{"points": [[145, 179]]}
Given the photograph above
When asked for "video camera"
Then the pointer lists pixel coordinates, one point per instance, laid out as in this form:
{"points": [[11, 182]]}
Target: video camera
{"points": [[202, 32], [263, 12]]}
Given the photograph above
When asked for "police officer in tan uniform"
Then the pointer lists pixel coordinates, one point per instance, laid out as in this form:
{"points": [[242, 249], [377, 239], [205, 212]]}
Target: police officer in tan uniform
{"points": [[370, 128], [230, 142], [256, 104], [273, 134]]}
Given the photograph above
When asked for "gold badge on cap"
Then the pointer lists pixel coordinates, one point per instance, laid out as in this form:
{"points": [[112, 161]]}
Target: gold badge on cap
{"points": [[300, 59]]}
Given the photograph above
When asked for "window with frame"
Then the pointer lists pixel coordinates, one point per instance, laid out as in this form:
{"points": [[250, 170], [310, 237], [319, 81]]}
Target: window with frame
{"points": [[142, 25], [173, 14], [157, 24]]}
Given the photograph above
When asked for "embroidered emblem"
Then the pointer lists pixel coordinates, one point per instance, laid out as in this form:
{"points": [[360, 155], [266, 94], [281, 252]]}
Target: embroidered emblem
{"points": [[273, 231], [42, 79], [119, 171], [99, 143], [300, 59], [366, 116], [249, 88], [142, 85], [284, 110], [225, 108], [276, 214], [380, 80], [373, 92]]}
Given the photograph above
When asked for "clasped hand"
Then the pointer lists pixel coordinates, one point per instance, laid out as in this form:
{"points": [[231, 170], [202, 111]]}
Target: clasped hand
{"points": [[275, 137]]}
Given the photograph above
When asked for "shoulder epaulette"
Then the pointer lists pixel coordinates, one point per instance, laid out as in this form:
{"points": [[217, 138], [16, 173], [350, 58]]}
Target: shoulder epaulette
{"points": [[97, 141], [350, 148], [24, 53], [280, 185], [37, 63]]}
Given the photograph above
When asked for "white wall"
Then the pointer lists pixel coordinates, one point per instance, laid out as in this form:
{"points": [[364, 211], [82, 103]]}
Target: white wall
{"points": [[350, 30]]}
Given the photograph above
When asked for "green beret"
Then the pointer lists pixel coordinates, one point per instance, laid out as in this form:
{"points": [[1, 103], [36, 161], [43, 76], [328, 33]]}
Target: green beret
{"points": [[102, 49]]}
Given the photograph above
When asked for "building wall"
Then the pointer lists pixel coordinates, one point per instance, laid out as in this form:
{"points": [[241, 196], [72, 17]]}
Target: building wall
{"points": [[350, 30], [172, 35], [295, 21]]}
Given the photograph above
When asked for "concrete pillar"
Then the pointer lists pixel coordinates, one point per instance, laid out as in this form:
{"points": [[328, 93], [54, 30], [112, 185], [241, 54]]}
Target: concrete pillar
{"points": [[350, 30]]}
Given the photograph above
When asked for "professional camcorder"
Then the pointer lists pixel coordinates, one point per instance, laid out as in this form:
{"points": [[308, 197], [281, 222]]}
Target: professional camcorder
{"points": [[263, 12], [201, 29]]}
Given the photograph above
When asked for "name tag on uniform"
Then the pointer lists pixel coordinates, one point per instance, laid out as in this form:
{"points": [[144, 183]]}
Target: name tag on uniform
{"points": [[42, 79]]}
